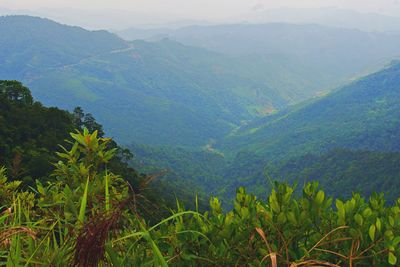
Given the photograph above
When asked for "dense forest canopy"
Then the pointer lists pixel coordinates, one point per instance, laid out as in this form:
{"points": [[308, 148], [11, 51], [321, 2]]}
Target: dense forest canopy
{"points": [[87, 216], [166, 96], [327, 139], [236, 148], [29, 132]]}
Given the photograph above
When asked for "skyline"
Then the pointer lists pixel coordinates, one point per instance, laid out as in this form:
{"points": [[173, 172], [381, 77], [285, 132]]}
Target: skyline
{"points": [[206, 8], [122, 14]]}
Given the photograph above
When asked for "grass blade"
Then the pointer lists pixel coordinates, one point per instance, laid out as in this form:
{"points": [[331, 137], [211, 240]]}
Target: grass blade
{"points": [[82, 209]]}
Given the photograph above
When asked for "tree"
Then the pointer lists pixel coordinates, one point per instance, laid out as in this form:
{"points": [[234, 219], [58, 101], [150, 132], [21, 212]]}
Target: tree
{"points": [[89, 122], [16, 92], [77, 117]]}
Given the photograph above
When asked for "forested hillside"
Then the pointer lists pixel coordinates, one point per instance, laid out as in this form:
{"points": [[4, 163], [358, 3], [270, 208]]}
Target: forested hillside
{"points": [[142, 92], [300, 144], [90, 208], [325, 55], [88, 216], [343, 171], [156, 88], [232, 109], [297, 144], [361, 115], [31, 45], [31, 134], [202, 168]]}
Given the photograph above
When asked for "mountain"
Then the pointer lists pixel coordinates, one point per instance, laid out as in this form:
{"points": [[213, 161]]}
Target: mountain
{"points": [[31, 43], [279, 38], [346, 139], [158, 93], [330, 17], [324, 56], [361, 115], [335, 17], [144, 33], [167, 94]]}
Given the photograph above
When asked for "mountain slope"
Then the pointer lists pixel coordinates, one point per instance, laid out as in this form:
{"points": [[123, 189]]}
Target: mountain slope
{"points": [[42, 44], [323, 54], [202, 168], [362, 115], [335, 17], [346, 139], [159, 93], [342, 171]]}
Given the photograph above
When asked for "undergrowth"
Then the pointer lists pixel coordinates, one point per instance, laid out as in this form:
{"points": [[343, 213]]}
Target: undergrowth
{"points": [[86, 216]]}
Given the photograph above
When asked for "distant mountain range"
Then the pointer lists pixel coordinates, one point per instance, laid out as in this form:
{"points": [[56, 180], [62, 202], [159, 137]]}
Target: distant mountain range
{"points": [[121, 19], [331, 54], [207, 105], [328, 16], [168, 93], [158, 93]]}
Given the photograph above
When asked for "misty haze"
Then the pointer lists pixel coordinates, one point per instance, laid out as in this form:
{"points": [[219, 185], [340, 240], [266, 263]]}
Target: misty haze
{"points": [[200, 133]]}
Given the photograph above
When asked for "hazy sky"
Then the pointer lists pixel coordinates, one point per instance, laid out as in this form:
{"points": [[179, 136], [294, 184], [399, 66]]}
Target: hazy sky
{"points": [[190, 9], [205, 7]]}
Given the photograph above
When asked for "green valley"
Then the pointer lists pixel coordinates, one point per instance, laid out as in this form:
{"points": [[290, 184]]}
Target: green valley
{"points": [[142, 92], [300, 144], [199, 140]]}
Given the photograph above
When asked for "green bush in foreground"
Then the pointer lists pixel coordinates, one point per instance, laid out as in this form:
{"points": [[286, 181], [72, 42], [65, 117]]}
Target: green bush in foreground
{"points": [[86, 217]]}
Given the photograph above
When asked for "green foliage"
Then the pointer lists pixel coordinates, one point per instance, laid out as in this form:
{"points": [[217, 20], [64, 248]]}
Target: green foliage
{"points": [[362, 115], [53, 217], [145, 91], [87, 217], [342, 171], [200, 169], [298, 60], [347, 139], [16, 92], [29, 133], [29, 137], [140, 91]]}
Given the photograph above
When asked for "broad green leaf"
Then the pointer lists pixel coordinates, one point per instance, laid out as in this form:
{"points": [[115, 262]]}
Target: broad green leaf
{"points": [[341, 212], [391, 221], [392, 258], [320, 197], [371, 232], [378, 224], [359, 219], [367, 212], [291, 217], [396, 241]]}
